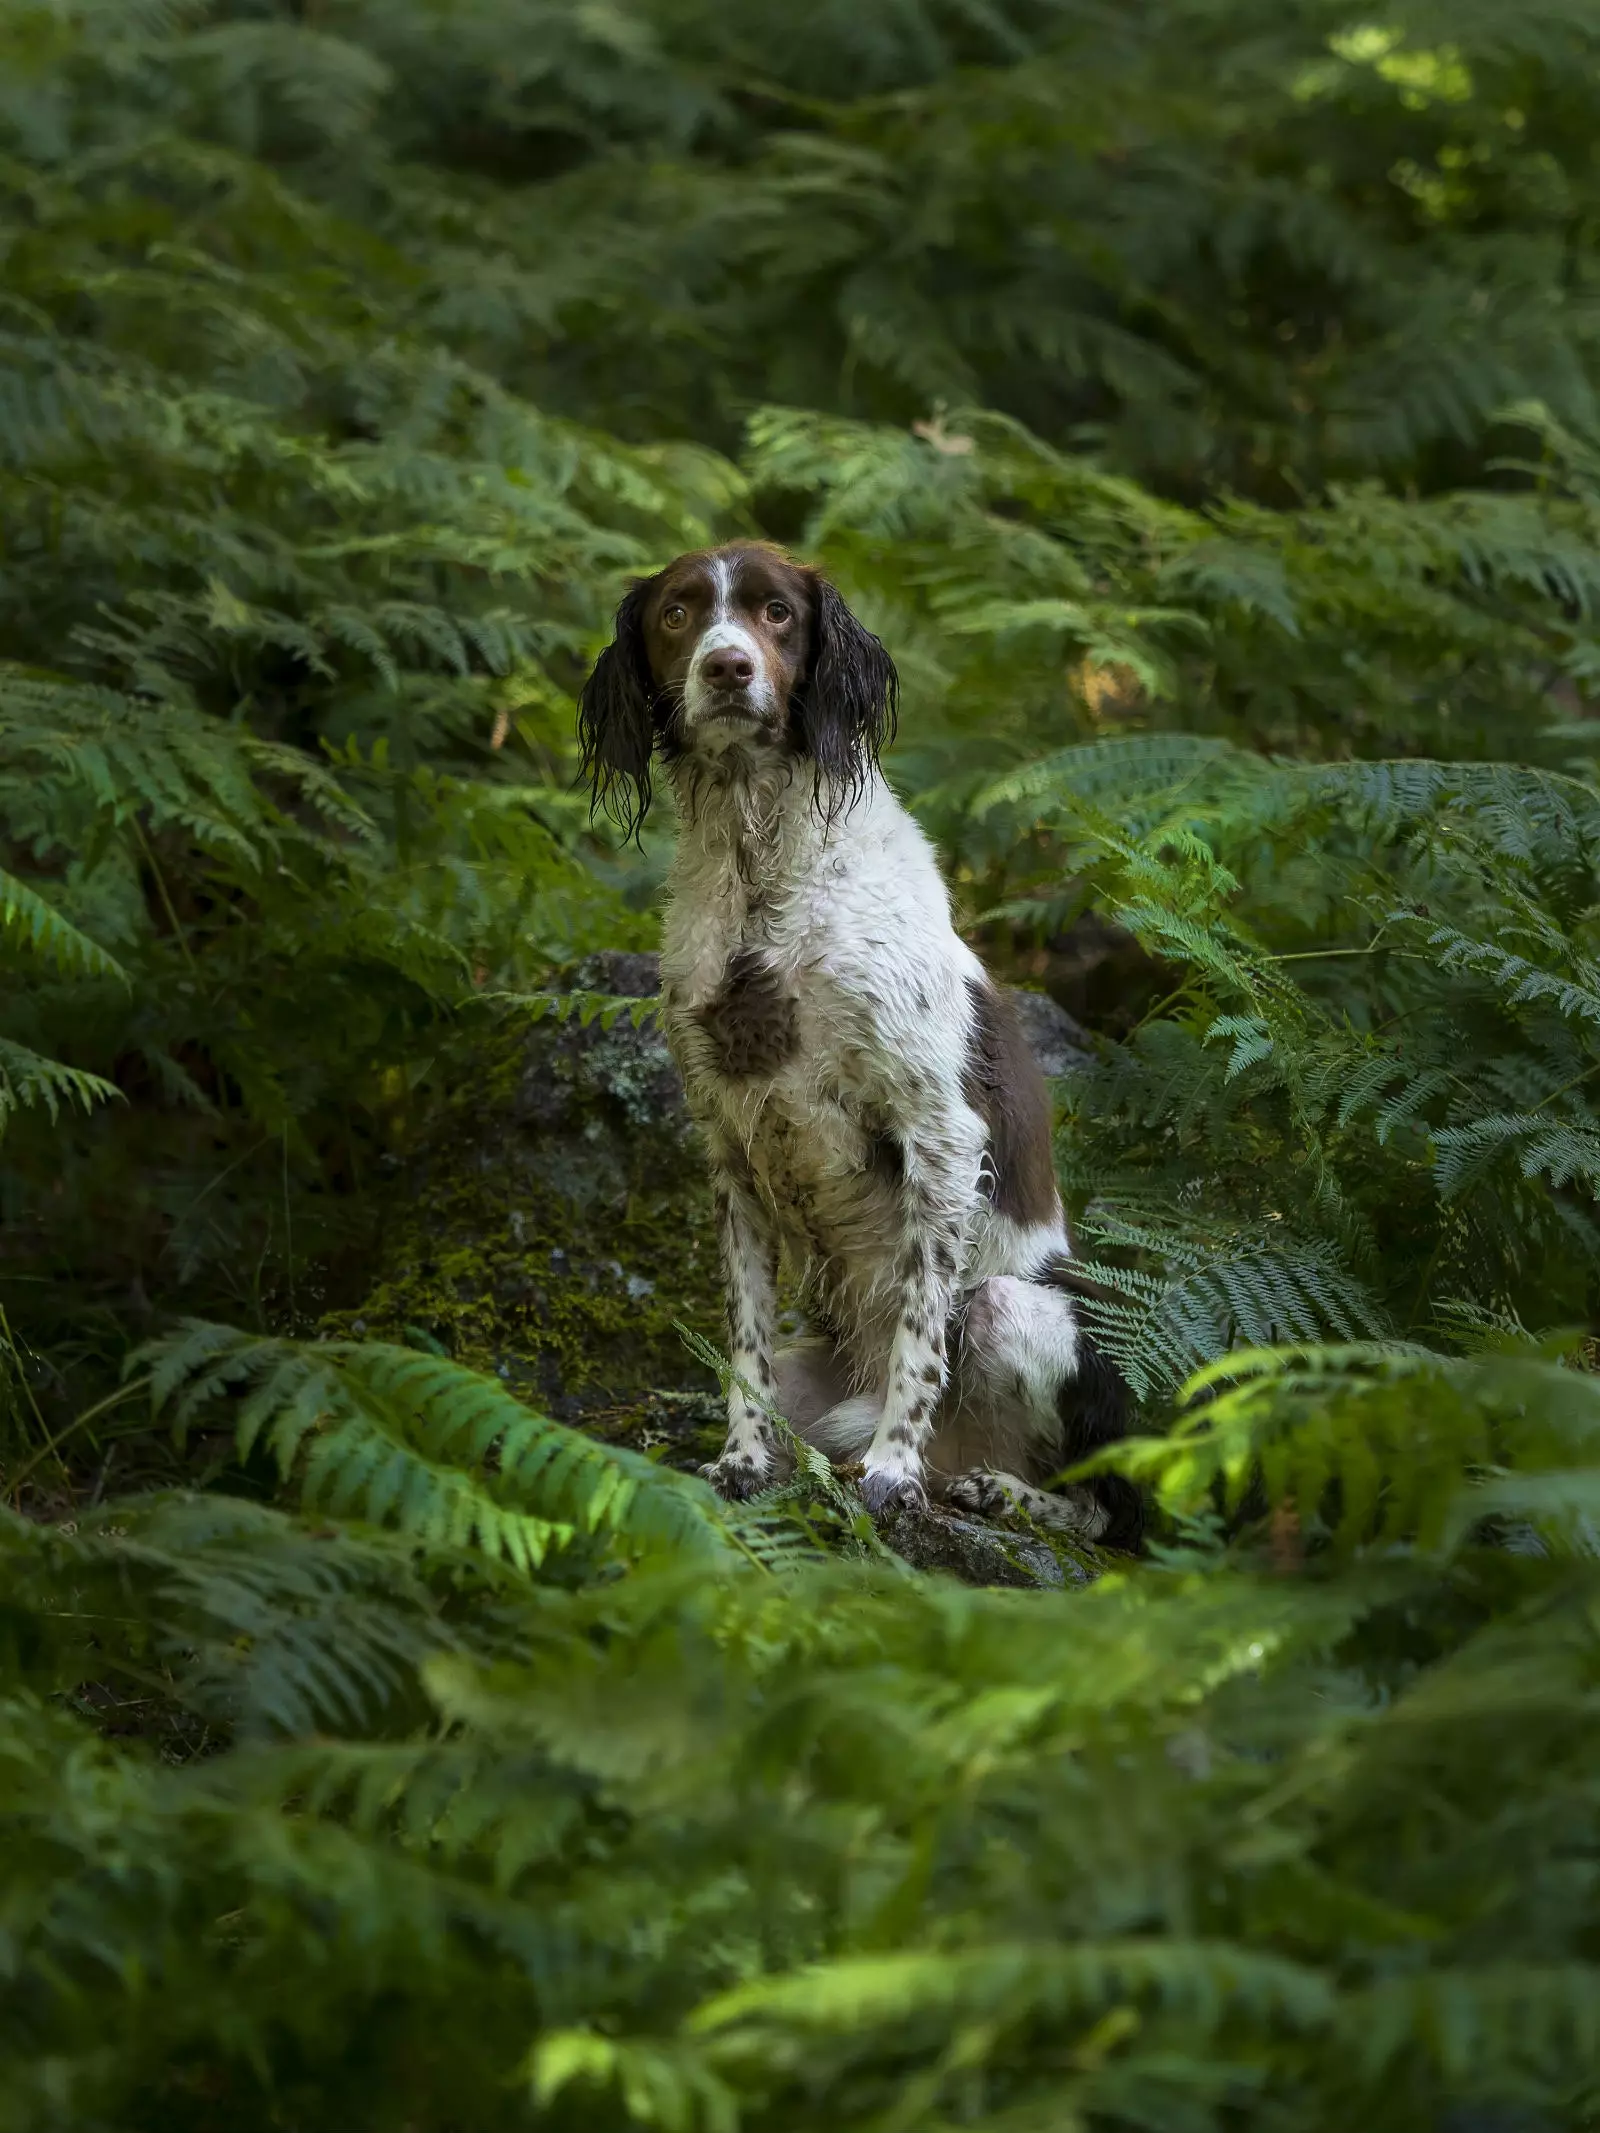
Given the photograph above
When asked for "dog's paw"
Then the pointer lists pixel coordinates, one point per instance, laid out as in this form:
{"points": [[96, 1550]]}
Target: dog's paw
{"points": [[883, 1492], [1079, 1511], [980, 1493], [736, 1476]]}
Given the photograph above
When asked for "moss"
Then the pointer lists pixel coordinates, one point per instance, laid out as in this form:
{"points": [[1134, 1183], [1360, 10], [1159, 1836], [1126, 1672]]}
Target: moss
{"points": [[1081, 1562], [551, 1294]]}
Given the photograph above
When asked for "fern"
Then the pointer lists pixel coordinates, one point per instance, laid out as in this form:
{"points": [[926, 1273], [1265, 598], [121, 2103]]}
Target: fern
{"points": [[1213, 1294], [678, 1847], [605, 1009], [26, 916], [1311, 1421], [1289, 1059], [28, 1080], [440, 1452], [1220, 466]]}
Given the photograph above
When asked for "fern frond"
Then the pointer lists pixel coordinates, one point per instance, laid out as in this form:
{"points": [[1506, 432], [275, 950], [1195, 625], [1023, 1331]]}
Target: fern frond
{"points": [[1402, 1437], [28, 1080], [27, 916], [441, 1452], [1004, 1985], [583, 1008], [1215, 1295], [1564, 1152]]}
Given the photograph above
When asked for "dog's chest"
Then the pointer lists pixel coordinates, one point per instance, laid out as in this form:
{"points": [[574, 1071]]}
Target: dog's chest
{"points": [[829, 1174], [756, 1025], [772, 1046]]}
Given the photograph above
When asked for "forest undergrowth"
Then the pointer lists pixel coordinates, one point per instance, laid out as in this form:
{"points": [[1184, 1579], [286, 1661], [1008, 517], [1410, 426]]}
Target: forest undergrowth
{"points": [[1200, 398]]}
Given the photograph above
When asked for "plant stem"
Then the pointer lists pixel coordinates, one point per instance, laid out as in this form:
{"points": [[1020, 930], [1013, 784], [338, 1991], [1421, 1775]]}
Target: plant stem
{"points": [[167, 904], [53, 1444]]}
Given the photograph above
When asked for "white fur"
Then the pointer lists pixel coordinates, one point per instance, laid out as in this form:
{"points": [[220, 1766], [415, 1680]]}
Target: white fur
{"points": [[854, 917]]}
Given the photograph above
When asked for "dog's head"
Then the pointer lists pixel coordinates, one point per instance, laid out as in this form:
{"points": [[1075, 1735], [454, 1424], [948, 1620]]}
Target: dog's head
{"points": [[734, 654]]}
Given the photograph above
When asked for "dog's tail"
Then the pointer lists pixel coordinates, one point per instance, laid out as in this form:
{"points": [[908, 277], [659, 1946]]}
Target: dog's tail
{"points": [[1096, 1407]]}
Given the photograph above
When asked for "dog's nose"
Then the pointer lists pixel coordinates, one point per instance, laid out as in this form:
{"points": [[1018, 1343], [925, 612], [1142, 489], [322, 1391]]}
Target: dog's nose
{"points": [[730, 669]]}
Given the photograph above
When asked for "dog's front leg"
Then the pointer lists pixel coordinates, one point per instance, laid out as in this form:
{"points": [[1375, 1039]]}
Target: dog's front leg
{"points": [[935, 1197], [749, 1266]]}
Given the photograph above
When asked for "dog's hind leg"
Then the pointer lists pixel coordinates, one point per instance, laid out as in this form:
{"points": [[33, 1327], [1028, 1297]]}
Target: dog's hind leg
{"points": [[816, 1400], [991, 1495], [1033, 1393], [812, 1377]]}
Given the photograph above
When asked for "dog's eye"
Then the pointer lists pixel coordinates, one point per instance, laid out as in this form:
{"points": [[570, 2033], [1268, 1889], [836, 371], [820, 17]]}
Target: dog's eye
{"points": [[673, 618], [778, 610]]}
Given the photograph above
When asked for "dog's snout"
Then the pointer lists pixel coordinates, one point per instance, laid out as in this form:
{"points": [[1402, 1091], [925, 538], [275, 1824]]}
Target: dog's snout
{"points": [[729, 668]]}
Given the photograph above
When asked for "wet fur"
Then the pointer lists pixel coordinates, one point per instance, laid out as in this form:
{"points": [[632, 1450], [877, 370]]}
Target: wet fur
{"points": [[871, 1110]]}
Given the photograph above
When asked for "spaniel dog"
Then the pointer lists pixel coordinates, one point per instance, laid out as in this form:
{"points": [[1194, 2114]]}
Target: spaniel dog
{"points": [[866, 1095]]}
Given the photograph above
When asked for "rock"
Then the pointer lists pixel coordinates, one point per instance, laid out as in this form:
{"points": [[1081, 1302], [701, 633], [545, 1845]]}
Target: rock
{"points": [[552, 1221], [1101, 973], [931, 1538], [628, 973], [1060, 1045]]}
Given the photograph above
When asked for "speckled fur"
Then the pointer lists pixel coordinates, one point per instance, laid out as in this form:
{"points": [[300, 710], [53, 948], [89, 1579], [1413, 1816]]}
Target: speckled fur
{"points": [[871, 1114]]}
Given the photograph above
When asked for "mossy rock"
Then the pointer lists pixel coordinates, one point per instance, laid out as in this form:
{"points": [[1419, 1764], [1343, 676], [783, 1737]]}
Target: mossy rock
{"points": [[978, 1552], [553, 1222]]}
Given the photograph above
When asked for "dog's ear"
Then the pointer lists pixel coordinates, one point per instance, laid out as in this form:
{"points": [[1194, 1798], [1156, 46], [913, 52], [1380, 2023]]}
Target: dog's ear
{"points": [[846, 706], [616, 720]]}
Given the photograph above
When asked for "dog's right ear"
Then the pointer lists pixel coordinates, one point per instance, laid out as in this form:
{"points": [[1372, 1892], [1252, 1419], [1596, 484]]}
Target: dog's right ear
{"points": [[616, 721]]}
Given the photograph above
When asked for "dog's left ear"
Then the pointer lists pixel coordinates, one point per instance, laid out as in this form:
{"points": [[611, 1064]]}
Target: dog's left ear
{"points": [[845, 708], [616, 720]]}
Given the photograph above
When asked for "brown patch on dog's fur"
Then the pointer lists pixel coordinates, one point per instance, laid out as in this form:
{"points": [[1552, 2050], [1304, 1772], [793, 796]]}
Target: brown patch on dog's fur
{"points": [[752, 1022], [1003, 1085]]}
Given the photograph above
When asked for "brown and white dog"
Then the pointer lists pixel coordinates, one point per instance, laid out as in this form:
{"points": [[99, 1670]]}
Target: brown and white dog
{"points": [[870, 1106]]}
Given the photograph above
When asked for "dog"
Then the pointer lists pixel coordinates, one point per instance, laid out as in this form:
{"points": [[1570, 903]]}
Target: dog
{"points": [[870, 1107]]}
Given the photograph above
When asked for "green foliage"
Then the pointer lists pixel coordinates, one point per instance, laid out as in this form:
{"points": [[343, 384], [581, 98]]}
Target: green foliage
{"points": [[1369, 1094], [26, 1078], [1202, 398], [1215, 1843], [443, 1453], [351, 361]]}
